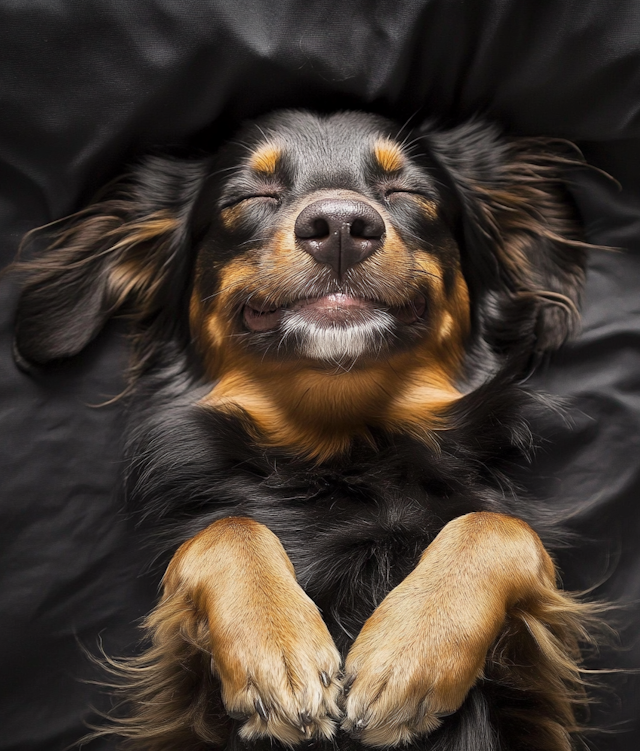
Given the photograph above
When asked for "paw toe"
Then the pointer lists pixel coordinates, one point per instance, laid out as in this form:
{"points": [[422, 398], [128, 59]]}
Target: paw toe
{"points": [[289, 717], [385, 714]]}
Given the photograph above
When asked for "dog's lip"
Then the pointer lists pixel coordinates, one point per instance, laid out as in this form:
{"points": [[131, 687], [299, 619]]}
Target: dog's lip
{"points": [[335, 301], [337, 308]]}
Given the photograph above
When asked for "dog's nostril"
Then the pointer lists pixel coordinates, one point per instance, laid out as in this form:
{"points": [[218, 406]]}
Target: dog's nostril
{"points": [[339, 232], [312, 228], [368, 229]]}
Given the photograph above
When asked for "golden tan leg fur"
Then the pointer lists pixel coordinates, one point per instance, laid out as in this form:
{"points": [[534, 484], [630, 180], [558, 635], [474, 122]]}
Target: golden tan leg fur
{"points": [[425, 645], [232, 608]]}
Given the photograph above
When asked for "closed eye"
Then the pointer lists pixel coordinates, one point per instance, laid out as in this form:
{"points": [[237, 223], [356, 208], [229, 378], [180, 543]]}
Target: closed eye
{"points": [[265, 197], [412, 198], [388, 194]]}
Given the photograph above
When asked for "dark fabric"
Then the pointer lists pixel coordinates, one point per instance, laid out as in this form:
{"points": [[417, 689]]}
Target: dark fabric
{"points": [[87, 85]]}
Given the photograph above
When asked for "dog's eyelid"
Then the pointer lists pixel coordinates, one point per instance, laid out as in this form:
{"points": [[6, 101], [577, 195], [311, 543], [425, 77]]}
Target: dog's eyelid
{"points": [[236, 200], [406, 191]]}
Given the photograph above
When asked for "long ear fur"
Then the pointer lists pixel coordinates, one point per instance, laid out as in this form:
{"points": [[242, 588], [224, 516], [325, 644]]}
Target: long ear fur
{"points": [[129, 248], [521, 244]]}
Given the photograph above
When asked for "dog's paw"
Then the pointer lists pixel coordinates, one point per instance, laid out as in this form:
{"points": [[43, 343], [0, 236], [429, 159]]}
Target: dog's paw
{"points": [[280, 675], [411, 665], [426, 644], [272, 652]]}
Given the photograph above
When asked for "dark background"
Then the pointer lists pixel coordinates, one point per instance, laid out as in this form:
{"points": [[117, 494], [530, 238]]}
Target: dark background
{"points": [[87, 85]]}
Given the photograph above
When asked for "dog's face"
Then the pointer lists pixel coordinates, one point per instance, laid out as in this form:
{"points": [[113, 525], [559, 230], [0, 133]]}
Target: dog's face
{"points": [[326, 243], [328, 272]]}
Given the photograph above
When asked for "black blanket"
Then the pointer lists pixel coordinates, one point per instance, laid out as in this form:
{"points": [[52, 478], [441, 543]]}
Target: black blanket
{"points": [[86, 86]]}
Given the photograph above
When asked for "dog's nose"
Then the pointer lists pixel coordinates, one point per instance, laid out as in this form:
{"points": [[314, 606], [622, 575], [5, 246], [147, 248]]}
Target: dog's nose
{"points": [[339, 232]]}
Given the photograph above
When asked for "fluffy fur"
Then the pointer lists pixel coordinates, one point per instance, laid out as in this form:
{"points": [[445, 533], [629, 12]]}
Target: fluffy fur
{"points": [[333, 479]]}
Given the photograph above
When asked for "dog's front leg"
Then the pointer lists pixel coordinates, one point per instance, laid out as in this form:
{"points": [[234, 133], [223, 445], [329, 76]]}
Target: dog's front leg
{"points": [[231, 605], [426, 644]]}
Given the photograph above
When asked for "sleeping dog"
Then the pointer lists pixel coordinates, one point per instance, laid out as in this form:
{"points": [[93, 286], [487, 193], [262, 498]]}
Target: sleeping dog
{"points": [[331, 327]]}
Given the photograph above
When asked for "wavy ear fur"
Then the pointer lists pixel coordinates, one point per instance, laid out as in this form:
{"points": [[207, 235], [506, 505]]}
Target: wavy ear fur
{"points": [[128, 249], [522, 251]]}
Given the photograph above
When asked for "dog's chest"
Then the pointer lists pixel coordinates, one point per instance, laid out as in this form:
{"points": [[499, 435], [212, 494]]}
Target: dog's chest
{"points": [[353, 535]]}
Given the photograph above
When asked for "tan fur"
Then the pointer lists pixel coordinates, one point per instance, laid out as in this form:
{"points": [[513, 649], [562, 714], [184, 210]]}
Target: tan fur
{"points": [[172, 695], [425, 645], [429, 207], [265, 159], [231, 216], [389, 155], [525, 206], [268, 642], [232, 616], [129, 248], [136, 271], [233, 626], [317, 414]]}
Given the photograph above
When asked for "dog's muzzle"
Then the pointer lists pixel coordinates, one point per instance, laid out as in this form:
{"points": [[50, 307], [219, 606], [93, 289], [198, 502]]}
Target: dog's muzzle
{"points": [[340, 324]]}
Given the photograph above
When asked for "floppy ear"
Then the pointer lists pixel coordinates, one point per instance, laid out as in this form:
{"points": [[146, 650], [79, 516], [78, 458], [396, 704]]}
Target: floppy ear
{"points": [[129, 249], [520, 239]]}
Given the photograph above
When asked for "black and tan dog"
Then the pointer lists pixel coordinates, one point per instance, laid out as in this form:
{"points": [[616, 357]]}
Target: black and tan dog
{"points": [[330, 329]]}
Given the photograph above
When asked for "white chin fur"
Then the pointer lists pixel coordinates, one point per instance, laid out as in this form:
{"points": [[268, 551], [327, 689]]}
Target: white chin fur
{"points": [[339, 342]]}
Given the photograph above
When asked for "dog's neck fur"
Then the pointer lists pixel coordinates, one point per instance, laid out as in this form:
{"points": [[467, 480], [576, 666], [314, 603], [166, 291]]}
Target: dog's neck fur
{"points": [[316, 412]]}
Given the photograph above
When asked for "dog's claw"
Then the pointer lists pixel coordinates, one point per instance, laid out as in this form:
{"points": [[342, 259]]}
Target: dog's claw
{"points": [[261, 709], [347, 685], [356, 728], [325, 678]]}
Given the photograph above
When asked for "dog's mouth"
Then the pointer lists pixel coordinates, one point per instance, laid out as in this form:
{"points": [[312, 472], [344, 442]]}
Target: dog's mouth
{"points": [[330, 311]]}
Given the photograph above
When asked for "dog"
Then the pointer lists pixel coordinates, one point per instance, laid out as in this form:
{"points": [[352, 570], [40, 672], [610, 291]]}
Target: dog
{"points": [[333, 320]]}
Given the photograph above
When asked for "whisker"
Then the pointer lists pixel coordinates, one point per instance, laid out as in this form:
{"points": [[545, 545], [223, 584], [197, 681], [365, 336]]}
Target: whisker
{"points": [[254, 240], [405, 125]]}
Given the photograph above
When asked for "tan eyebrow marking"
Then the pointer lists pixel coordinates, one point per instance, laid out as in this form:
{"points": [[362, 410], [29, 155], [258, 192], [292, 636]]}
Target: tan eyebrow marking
{"points": [[388, 155], [266, 159]]}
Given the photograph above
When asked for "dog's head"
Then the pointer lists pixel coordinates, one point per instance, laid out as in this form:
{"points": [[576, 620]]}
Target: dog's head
{"points": [[328, 272], [325, 243]]}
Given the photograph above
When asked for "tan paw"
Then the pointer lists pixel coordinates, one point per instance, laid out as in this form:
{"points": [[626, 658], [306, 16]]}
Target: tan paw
{"points": [[425, 645], [276, 661], [282, 679], [405, 672]]}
